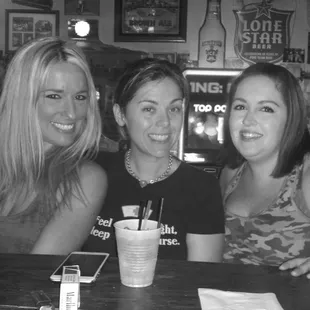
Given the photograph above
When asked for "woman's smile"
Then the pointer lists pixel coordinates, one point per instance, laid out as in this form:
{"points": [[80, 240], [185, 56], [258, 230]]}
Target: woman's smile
{"points": [[64, 127], [159, 137], [247, 135]]}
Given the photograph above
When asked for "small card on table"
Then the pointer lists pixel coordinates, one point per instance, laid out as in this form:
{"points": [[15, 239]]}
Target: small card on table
{"points": [[70, 288]]}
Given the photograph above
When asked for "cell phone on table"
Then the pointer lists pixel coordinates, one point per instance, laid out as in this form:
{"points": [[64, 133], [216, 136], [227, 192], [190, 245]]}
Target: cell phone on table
{"points": [[90, 264]]}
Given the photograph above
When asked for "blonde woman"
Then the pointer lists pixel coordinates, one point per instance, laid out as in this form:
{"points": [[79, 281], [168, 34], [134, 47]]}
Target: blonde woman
{"points": [[50, 127]]}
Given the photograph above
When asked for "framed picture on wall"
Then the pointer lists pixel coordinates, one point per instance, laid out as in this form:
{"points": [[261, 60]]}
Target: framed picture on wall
{"points": [[82, 7], [22, 26], [149, 21]]}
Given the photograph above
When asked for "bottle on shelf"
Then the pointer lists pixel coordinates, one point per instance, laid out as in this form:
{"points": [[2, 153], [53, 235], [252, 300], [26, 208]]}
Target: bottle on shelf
{"points": [[212, 35]]}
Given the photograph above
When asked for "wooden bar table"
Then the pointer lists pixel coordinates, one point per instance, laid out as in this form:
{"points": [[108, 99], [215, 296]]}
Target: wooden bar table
{"points": [[175, 284]]}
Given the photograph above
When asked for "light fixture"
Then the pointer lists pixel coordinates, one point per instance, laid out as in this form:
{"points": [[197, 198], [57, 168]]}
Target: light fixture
{"points": [[82, 28]]}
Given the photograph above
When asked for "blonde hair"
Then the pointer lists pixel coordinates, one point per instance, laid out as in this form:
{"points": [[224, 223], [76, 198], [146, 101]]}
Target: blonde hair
{"points": [[24, 166]]}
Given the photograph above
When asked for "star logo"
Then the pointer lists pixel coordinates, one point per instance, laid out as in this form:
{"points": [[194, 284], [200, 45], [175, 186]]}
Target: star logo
{"points": [[263, 9]]}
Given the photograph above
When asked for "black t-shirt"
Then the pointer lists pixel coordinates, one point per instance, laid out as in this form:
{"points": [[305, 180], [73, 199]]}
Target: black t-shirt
{"points": [[192, 204]]}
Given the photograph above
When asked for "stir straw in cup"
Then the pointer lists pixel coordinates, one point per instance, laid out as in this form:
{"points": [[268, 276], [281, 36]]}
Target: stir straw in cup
{"points": [[160, 210], [140, 215], [146, 214]]}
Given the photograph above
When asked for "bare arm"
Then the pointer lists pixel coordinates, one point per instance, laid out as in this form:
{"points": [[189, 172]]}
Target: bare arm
{"points": [[300, 266], [306, 183], [69, 228], [205, 248]]}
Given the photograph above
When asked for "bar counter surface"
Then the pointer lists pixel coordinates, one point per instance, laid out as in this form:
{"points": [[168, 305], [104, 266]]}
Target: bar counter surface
{"points": [[175, 284]]}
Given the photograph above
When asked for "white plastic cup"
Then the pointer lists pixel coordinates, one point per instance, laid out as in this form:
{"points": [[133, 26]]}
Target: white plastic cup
{"points": [[137, 251]]}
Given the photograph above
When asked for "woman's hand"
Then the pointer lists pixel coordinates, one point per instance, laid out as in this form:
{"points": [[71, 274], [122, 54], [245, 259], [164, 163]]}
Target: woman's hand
{"points": [[300, 266]]}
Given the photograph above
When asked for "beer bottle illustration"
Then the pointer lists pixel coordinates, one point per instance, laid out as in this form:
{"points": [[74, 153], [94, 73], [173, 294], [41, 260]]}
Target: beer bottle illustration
{"points": [[212, 35]]}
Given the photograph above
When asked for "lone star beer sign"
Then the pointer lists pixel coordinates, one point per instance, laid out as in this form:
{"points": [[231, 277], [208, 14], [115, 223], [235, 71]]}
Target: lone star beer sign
{"points": [[262, 33]]}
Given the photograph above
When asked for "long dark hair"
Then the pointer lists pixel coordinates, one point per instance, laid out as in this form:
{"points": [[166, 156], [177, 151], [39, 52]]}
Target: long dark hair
{"points": [[295, 141]]}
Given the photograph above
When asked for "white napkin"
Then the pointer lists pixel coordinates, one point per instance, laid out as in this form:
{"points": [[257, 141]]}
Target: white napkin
{"points": [[211, 299]]}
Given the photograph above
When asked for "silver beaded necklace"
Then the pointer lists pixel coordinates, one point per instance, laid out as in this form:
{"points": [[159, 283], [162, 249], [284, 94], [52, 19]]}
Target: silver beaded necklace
{"points": [[143, 183]]}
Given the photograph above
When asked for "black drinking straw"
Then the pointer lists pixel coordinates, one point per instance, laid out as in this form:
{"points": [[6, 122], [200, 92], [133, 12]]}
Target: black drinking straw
{"points": [[159, 211], [140, 215]]}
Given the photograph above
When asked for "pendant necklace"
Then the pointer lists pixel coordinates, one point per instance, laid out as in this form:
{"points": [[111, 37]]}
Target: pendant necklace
{"points": [[143, 183]]}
